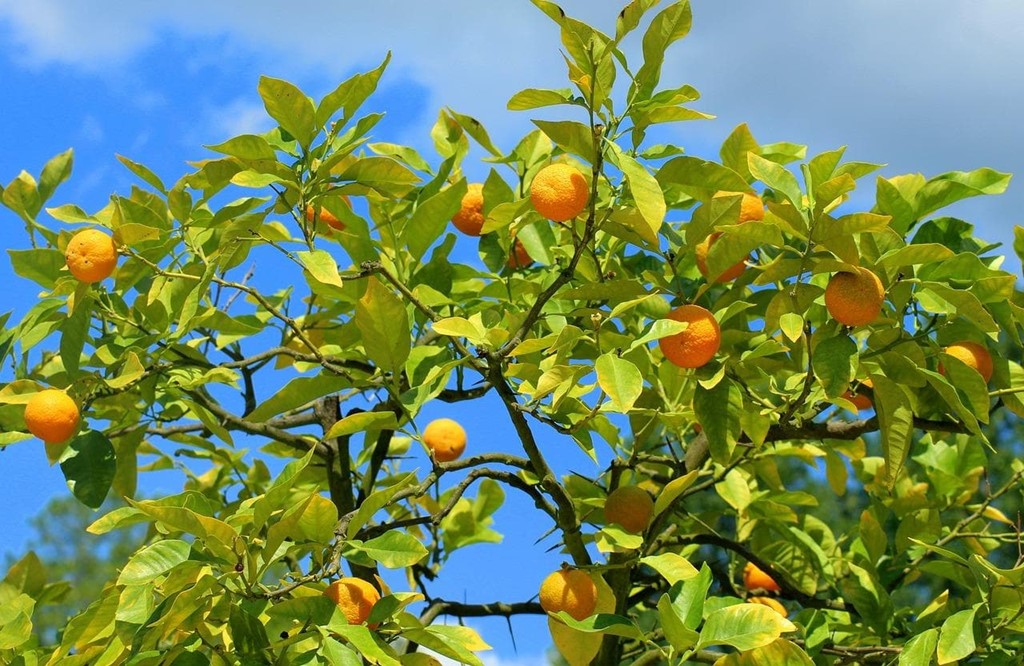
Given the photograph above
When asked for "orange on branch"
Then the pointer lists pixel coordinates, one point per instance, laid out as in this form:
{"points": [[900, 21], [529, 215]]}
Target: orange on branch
{"points": [[518, 257], [569, 590], [52, 416], [470, 218], [326, 216], [559, 192], [445, 439], [91, 256], [860, 400], [696, 345], [354, 596], [629, 507], [755, 579], [774, 604], [701, 254], [854, 299], [972, 354], [751, 207]]}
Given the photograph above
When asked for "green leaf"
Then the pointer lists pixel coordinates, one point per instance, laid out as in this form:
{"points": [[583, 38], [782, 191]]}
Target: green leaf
{"points": [[321, 266], [646, 193], [699, 178], [89, 464], [776, 177], [290, 107], [476, 130], [659, 328], [376, 501], [620, 379], [670, 25], [533, 98], [949, 188], [296, 393], [835, 364], [920, 649], [42, 265], [431, 217], [362, 422], [956, 637], [735, 149], [394, 549], [678, 634], [672, 567], [570, 136], [351, 94], [777, 653], [154, 561], [384, 174], [672, 490], [896, 424], [318, 520], [460, 327], [743, 626], [246, 147], [74, 332], [384, 324], [718, 410], [56, 171]]}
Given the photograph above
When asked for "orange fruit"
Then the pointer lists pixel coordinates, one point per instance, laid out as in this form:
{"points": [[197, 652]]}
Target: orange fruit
{"points": [[470, 218], [354, 596], [770, 603], [559, 192], [701, 252], [630, 507], [52, 416], [755, 579], [860, 400], [751, 207], [91, 255], [974, 355], [326, 216], [696, 345], [854, 299], [445, 438], [518, 257], [569, 590]]}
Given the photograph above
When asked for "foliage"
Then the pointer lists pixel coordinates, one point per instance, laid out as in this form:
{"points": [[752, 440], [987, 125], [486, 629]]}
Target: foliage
{"points": [[328, 362]]}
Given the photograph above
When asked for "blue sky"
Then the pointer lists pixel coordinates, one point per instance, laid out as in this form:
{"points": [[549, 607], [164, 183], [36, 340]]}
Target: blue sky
{"points": [[921, 86]]}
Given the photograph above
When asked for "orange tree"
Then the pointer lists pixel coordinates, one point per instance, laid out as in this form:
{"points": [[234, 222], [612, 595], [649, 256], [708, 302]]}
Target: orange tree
{"points": [[724, 394]]}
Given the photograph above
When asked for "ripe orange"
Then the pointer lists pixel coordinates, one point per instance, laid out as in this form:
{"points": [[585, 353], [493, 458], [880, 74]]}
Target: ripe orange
{"points": [[52, 416], [559, 192], [91, 255], [974, 355], [569, 590], [696, 345], [860, 400], [326, 216], [755, 579], [470, 218], [770, 603], [445, 438], [354, 596], [854, 299], [631, 507], [701, 252], [518, 257], [751, 207]]}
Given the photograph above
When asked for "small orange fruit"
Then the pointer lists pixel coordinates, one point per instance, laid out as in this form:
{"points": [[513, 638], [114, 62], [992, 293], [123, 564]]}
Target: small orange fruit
{"points": [[701, 252], [52, 416], [518, 257], [354, 596], [326, 216], [751, 207], [696, 345], [91, 256], [770, 603], [445, 439], [631, 507], [974, 355], [559, 192], [569, 590], [854, 299], [755, 579], [470, 218], [860, 400]]}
